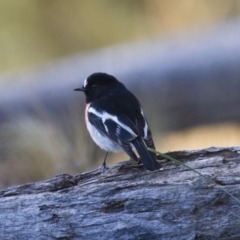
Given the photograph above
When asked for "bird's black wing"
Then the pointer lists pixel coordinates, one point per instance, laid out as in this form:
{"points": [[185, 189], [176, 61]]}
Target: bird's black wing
{"points": [[114, 126], [116, 123], [118, 129], [144, 129], [125, 132]]}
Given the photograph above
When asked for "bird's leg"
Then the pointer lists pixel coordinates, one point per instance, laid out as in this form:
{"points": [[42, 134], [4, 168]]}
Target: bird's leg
{"points": [[104, 166]]}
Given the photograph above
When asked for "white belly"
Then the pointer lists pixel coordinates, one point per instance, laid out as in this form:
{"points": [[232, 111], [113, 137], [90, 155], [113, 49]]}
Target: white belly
{"points": [[102, 141]]}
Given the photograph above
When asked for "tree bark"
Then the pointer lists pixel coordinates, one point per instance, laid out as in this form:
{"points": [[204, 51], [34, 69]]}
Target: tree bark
{"points": [[127, 202]]}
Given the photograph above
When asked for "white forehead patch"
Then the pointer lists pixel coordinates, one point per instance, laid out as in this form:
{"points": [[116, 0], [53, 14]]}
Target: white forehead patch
{"points": [[85, 83]]}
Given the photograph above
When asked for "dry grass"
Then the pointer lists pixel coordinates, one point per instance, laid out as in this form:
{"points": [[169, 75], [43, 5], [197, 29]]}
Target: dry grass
{"points": [[32, 150], [33, 32], [221, 135]]}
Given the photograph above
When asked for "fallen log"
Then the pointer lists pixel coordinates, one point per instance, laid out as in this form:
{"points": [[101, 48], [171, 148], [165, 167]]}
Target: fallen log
{"points": [[127, 202]]}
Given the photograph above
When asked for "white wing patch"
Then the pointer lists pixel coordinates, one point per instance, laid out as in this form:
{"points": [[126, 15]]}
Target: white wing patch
{"points": [[145, 126], [105, 116], [118, 129], [85, 83], [105, 126]]}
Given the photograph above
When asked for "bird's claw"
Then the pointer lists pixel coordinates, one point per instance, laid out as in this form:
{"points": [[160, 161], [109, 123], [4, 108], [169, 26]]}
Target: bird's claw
{"points": [[103, 167]]}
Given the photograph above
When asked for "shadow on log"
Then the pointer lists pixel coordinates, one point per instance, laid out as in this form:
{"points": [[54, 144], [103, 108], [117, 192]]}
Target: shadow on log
{"points": [[127, 202]]}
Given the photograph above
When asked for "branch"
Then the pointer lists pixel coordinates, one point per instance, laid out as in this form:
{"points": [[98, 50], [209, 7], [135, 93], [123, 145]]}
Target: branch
{"points": [[127, 202]]}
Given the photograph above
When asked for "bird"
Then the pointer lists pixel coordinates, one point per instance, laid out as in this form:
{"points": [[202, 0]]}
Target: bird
{"points": [[115, 119]]}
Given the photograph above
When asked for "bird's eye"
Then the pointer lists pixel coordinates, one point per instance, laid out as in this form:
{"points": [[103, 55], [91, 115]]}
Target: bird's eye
{"points": [[94, 87]]}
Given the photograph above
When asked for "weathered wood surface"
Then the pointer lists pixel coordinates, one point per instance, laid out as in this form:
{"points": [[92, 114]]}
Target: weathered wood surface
{"points": [[127, 202]]}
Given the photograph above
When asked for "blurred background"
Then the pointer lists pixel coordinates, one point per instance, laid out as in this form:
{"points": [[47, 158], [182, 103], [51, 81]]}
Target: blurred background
{"points": [[180, 57]]}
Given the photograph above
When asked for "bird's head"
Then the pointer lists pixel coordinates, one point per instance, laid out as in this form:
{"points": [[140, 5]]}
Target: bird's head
{"points": [[98, 85]]}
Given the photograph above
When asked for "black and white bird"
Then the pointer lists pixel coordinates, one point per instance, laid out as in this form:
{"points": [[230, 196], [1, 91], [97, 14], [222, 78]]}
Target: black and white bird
{"points": [[115, 119]]}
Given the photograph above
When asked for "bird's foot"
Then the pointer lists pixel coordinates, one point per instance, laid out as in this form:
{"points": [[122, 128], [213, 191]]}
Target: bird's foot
{"points": [[103, 167]]}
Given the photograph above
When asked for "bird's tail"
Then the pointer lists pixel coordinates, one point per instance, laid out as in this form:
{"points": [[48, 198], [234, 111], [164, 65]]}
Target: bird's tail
{"points": [[148, 160]]}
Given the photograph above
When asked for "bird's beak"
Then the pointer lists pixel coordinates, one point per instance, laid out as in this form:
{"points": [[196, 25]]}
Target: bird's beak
{"points": [[80, 89]]}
